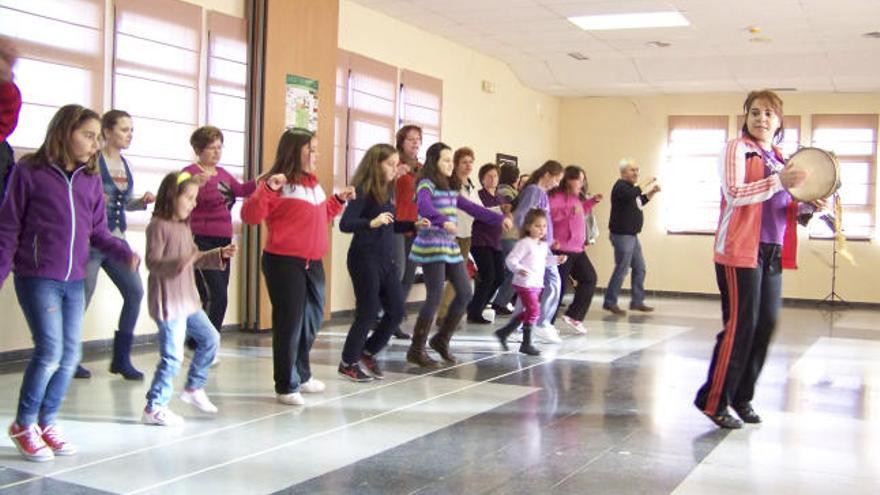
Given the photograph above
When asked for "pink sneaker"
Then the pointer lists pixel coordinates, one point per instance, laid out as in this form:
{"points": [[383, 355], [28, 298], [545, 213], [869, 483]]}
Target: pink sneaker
{"points": [[55, 440], [199, 399], [29, 442]]}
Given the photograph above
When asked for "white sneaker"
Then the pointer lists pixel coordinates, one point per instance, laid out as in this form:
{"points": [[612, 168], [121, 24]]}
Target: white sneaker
{"points": [[216, 360], [161, 416], [548, 334], [576, 325], [199, 399], [294, 399], [313, 386]]}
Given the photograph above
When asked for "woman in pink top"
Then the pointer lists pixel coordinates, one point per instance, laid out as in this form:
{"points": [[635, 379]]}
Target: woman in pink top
{"points": [[211, 221], [568, 207]]}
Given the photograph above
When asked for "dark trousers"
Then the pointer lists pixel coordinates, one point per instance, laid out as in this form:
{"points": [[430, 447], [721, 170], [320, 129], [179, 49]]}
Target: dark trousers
{"points": [[577, 265], [490, 274], [212, 284], [376, 284], [750, 303], [435, 275], [296, 290]]}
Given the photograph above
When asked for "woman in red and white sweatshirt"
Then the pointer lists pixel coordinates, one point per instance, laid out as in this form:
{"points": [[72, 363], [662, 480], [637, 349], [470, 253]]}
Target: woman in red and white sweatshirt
{"points": [[297, 215]]}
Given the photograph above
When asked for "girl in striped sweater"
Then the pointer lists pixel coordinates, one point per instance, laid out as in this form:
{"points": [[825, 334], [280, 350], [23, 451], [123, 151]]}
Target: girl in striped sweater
{"points": [[437, 251]]}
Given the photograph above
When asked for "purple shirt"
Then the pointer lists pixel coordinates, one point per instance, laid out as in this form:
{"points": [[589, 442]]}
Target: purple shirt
{"points": [[211, 216], [774, 210], [49, 220], [485, 234], [533, 197]]}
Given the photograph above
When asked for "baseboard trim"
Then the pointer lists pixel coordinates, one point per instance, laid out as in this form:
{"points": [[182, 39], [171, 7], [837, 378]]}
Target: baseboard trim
{"points": [[95, 348]]}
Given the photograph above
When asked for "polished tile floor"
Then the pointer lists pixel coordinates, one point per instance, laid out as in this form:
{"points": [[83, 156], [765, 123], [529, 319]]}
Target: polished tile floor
{"points": [[609, 412]]}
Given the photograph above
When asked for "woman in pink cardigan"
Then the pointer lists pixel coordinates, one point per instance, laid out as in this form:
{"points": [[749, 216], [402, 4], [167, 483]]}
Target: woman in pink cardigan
{"points": [[211, 220], [568, 207]]}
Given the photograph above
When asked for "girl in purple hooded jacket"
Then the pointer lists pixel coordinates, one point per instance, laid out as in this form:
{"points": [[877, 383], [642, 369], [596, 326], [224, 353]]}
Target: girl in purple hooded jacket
{"points": [[53, 212]]}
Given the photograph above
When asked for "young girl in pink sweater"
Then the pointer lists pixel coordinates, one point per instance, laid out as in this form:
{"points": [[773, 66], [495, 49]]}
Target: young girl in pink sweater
{"points": [[172, 258]]}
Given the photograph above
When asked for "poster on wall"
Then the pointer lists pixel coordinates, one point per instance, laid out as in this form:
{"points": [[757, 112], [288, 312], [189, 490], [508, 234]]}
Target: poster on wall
{"points": [[301, 103], [502, 159]]}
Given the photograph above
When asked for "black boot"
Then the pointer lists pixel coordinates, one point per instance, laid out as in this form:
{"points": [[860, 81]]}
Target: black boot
{"points": [[121, 363], [440, 341], [526, 347], [416, 353], [505, 331], [400, 334], [82, 372]]}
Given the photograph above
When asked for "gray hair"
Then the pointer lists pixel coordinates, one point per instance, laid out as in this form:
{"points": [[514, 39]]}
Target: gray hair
{"points": [[626, 162]]}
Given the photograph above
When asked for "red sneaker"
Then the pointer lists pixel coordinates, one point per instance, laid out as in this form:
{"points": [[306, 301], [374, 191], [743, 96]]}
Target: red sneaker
{"points": [[55, 440], [29, 442]]}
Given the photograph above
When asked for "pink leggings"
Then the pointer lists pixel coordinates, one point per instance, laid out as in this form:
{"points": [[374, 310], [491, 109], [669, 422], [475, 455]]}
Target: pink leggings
{"points": [[529, 297]]}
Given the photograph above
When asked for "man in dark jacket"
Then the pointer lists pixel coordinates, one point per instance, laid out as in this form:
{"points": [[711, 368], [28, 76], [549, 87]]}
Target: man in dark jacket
{"points": [[628, 197]]}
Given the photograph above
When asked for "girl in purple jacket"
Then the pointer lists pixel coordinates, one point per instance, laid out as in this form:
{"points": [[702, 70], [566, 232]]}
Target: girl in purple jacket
{"points": [[53, 212]]}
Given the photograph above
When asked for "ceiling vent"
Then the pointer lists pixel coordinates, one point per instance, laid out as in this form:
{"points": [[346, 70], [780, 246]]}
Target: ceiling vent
{"points": [[578, 56], [872, 34]]}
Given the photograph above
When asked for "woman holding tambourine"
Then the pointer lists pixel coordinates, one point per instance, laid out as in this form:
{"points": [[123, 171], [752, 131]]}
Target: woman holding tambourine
{"points": [[755, 239]]}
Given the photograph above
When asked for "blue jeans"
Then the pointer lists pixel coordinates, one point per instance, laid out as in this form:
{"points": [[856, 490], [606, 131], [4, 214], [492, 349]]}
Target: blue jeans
{"points": [[627, 254], [172, 333], [127, 281], [54, 312]]}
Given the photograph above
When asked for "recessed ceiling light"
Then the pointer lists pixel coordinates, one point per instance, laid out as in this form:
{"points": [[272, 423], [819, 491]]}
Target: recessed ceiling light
{"points": [[760, 39], [658, 44], [630, 21], [872, 34], [784, 89], [578, 56]]}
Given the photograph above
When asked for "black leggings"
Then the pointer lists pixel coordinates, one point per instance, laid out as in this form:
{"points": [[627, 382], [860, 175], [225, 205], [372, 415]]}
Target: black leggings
{"points": [[213, 284], [579, 267], [490, 274]]}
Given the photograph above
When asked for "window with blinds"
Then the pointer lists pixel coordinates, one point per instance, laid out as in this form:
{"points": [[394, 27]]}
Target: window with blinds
{"points": [[156, 80], [853, 138], [340, 123], [691, 186], [372, 99], [227, 92], [421, 101], [61, 49]]}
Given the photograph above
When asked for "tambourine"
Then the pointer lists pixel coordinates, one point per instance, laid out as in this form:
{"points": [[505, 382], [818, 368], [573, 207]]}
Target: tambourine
{"points": [[823, 174]]}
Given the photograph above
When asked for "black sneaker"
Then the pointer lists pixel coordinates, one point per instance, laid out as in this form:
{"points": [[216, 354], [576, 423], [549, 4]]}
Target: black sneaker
{"points": [[372, 367], [724, 420], [354, 373], [501, 310], [747, 414], [82, 372]]}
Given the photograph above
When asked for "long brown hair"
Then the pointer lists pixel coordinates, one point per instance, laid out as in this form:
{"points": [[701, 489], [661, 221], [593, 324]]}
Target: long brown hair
{"points": [[172, 186], [369, 179], [430, 170], [288, 157], [572, 172], [56, 147], [551, 167]]}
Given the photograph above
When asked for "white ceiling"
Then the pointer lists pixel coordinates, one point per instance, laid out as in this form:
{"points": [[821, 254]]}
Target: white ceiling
{"points": [[816, 45]]}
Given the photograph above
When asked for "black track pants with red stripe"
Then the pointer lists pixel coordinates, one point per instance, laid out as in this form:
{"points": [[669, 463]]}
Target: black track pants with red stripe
{"points": [[750, 303]]}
